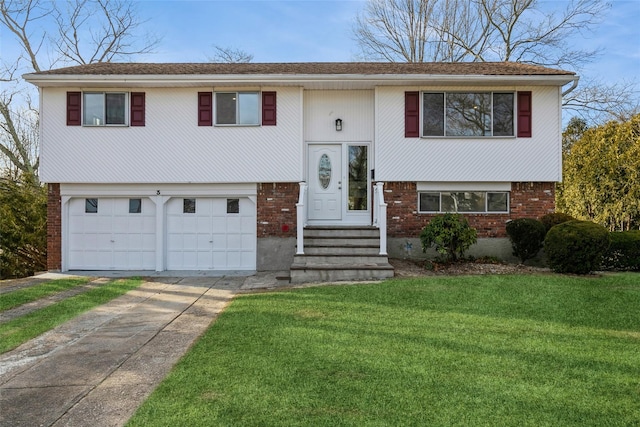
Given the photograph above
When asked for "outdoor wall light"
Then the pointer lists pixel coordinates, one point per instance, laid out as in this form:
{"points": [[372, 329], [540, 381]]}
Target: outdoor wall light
{"points": [[338, 125]]}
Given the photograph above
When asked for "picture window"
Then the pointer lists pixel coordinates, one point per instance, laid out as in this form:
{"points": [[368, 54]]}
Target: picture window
{"points": [[468, 114]]}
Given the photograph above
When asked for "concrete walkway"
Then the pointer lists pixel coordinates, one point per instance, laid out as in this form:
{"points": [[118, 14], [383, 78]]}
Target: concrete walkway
{"points": [[97, 369]]}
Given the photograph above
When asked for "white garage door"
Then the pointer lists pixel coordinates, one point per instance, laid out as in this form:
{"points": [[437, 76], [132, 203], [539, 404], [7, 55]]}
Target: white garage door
{"points": [[112, 234], [211, 234]]}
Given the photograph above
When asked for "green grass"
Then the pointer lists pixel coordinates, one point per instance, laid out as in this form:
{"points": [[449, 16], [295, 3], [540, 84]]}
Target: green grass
{"points": [[24, 328], [539, 350], [19, 297]]}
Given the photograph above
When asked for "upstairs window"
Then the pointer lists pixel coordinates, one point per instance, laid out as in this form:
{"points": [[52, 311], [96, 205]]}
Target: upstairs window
{"points": [[237, 108], [104, 108], [468, 114]]}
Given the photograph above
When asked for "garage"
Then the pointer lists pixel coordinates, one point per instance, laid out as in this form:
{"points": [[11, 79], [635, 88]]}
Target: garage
{"points": [[112, 234], [210, 233]]}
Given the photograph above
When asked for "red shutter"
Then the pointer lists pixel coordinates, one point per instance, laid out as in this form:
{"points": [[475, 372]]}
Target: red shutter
{"points": [[137, 108], [411, 114], [74, 108], [524, 114], [205, 109], [268, 108]]}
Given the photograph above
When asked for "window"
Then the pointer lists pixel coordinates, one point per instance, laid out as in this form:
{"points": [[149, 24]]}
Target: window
{"points": [[104, 108], [189, 206], [467, 114], [91, 205], [135, 206], [464, 201], [237, 108], [233, 206]]}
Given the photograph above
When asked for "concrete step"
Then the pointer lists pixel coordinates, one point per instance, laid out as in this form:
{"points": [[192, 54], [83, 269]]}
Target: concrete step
{"points": [[339, 241], [312, 249], [341, 232], [338, 273], [335, 259]]}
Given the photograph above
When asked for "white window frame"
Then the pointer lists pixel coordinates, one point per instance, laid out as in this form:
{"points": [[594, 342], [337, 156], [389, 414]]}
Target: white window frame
{"points": [[444, 114], [237, 104], [102, 121], [486, 201]]}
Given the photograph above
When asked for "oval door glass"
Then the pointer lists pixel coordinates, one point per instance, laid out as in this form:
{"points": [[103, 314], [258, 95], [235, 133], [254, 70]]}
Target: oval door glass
{"points": [[324, 171]]}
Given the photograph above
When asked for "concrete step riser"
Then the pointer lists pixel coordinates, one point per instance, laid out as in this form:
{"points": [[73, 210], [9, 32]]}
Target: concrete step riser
{"points": [[340, 259], [341, 250], [309, 276], [343, 233], [356, 241]]}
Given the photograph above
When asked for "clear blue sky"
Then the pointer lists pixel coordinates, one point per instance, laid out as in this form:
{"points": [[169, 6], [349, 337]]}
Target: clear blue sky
{"points": [[307, 30]]}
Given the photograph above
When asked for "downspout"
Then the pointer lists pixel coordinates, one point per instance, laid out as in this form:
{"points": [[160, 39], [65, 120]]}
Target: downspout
{"points": [[573, 86]]}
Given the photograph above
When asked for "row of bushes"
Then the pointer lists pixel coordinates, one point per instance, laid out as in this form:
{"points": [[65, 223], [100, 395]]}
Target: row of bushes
{"points": [[573, 246]]}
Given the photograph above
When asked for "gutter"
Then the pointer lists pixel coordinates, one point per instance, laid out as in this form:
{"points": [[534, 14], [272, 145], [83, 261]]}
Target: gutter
{"points": [[573, 86]]}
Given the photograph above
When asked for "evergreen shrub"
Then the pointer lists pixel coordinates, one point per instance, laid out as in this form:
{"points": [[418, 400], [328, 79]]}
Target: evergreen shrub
{"points": [[551, 219], [576, 246], [451, 235], [623, 252], [527, 237]]}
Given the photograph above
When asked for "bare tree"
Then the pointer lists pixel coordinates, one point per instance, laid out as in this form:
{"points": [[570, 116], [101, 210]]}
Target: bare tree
{"points": [[526, 31], [230, 55], [83, 31]]}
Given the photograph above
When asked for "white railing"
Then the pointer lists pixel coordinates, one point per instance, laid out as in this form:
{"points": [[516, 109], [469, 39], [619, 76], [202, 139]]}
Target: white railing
{"points": [[301, 213], [380, 215]]}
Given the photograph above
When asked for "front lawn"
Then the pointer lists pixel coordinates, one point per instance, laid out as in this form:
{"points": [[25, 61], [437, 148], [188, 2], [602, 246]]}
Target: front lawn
{"points": [[478, 350]]}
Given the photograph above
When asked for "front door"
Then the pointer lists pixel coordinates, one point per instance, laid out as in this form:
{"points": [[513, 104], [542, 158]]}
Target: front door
{"points": [[325, 182]]}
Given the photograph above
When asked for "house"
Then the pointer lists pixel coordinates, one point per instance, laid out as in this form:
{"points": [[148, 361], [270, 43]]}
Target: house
{"points": [[254, 166]]}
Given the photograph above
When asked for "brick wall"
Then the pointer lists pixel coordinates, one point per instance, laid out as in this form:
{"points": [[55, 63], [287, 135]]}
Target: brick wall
{"points": [[527, 200], [54, 228], [277, 209]]}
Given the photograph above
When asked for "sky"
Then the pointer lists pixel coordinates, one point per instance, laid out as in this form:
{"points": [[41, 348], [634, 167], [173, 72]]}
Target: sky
{"points": [[315, 31]]}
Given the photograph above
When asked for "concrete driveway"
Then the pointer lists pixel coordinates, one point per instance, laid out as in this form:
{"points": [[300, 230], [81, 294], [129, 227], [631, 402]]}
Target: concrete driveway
{"points": [[96, 369]]}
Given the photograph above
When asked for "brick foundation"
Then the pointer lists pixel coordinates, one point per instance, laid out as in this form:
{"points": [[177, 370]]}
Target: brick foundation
{"points": [[54, 228], [527, 200], [276, 209]]}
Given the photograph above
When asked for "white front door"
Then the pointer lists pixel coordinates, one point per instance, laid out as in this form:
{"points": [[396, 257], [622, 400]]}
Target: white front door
{"points": [[325, 182]]}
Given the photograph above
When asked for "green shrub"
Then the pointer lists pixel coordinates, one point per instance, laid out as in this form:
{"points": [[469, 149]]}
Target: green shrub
{"points": [[623, 252], [450, 233], [527, 237], [576, 246], [549, 220], [23, 227]]}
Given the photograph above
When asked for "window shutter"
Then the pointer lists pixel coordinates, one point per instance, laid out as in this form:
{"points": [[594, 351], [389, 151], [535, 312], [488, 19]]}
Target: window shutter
{"points": [[268, 108], [411, 114], [137, 108], [524, 114], [205, 109], [74, 110]]}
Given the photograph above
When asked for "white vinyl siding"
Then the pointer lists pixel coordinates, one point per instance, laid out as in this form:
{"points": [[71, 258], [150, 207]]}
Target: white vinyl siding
{"points": [[171, 147], [468, 159]]}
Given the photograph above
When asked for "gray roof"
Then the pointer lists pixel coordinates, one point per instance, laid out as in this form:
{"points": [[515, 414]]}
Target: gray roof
{"points": [[309, 68]]}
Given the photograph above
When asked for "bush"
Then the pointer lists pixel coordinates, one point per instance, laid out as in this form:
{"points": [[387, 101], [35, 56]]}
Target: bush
{"points": [[576, 246], [527, 237], [549, 220], [23, 227], [450, 233], [623, 252]]}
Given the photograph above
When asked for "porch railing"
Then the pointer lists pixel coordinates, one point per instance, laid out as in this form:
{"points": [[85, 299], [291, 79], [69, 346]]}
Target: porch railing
{"points": [[380, 215], [301, 213]]}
